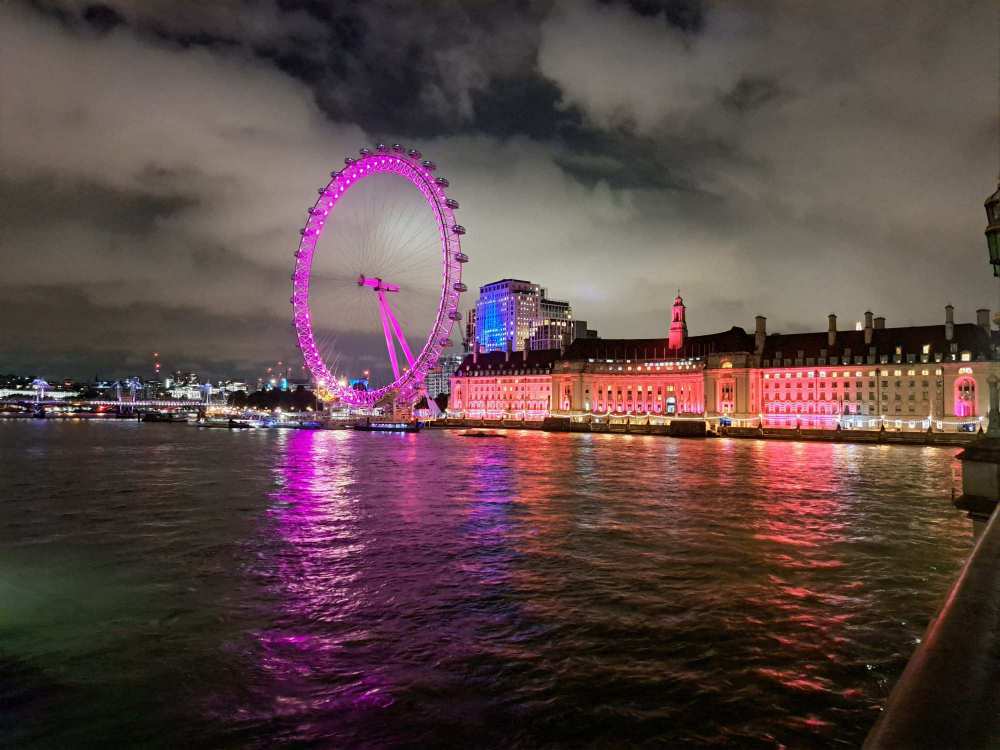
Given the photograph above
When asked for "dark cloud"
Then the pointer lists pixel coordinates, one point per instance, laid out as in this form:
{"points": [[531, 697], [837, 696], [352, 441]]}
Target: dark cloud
{"points": [[791, 160]]}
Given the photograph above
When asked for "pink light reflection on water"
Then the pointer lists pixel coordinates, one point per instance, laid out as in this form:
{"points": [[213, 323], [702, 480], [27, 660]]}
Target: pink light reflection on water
{"points": [[316, 577]]}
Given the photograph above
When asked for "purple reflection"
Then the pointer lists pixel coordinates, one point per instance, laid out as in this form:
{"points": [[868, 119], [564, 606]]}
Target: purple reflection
{"points": [[315, 657]]}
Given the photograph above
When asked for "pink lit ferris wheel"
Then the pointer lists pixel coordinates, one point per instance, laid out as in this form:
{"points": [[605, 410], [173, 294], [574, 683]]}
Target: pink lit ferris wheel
{"points": [[377, 279]]}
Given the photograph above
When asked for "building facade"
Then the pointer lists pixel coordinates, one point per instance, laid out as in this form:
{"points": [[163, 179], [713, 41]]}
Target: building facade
{"points": [[438, 379], [506, 313], [519, 314], [914, 377]]}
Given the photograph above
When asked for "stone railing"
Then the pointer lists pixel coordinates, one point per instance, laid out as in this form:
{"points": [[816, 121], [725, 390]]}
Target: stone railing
{"points": [[949, 694]]}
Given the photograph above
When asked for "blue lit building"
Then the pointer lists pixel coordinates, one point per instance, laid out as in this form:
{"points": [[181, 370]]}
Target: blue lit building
{"points": [[507, 310]]}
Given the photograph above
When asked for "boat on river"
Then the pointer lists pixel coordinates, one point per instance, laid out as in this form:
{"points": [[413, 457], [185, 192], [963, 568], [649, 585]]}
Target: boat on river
{"points": [[164, 416], [226, 423], [370, 426], [481, 434]]}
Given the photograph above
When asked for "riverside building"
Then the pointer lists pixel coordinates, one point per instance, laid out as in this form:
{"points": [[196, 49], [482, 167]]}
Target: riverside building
{"points": [[913, 377], [517, 314]]}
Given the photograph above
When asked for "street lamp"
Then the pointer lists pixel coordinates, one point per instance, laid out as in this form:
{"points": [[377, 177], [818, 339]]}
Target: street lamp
{"points": [[992, 206]]}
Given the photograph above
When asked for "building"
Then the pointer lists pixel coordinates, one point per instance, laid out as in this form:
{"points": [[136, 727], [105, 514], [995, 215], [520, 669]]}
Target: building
{"points": [[438, 379], [469, 339], [559, 334], [914, 377], [519, 314], [499, 384], [506, 313]]}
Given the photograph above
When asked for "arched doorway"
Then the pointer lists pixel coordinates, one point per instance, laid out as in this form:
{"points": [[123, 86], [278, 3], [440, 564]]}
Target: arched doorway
{"points": [[965, 397]]}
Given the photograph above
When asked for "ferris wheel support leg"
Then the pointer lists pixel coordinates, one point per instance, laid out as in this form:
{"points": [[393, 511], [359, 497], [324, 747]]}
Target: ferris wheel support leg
{"points": [[388, 336], [399, 335]]}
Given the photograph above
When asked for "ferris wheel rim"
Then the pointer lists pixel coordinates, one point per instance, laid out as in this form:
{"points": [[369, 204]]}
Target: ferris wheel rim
{"points": [[419, 173]]}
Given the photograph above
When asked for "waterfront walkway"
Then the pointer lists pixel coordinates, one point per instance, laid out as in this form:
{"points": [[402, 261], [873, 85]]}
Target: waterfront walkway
{"points": [[701, 428]]}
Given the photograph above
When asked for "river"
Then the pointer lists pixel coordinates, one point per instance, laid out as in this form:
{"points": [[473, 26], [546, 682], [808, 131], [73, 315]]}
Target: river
{"points": [[165, 586]]}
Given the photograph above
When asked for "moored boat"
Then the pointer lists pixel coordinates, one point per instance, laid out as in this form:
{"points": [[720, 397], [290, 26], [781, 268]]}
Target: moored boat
{"points": [[388, 427]]}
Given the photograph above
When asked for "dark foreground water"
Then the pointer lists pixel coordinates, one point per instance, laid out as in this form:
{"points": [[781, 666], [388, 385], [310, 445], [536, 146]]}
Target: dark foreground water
{"points": [[162, 586]]}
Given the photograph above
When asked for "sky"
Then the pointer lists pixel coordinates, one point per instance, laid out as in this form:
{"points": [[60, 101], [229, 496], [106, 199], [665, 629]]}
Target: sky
{"points": [[788, 159]]}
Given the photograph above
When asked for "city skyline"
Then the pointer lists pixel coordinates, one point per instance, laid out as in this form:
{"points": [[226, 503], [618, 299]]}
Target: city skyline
{"points": [[856, 165]]}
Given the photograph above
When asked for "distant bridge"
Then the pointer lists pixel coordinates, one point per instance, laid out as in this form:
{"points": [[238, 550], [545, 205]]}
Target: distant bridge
{"points": [[124, 403]]}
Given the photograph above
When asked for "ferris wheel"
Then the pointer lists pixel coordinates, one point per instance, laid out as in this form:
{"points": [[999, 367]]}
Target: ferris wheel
{"points": [[377, 278]]}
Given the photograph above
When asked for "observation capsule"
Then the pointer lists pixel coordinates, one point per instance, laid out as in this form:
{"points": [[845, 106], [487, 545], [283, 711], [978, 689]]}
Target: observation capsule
{"points": [[413, 153], [461, 257], [349, 160], [458, 229], [397, 147], [455, 315], [429, 165], [380, 147], [458, 286], [451, 203], [442, 181], [364, 151]]}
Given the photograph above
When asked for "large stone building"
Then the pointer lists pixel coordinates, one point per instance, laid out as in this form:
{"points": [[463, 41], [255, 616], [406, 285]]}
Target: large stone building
{"points": [[911, 377]]}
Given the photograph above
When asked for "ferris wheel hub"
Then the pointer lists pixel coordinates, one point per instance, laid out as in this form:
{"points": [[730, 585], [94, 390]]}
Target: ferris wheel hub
{"points": [[376, 284]]}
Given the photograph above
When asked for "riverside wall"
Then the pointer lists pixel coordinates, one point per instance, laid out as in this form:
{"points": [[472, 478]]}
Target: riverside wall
{"points": [[700, 428]]}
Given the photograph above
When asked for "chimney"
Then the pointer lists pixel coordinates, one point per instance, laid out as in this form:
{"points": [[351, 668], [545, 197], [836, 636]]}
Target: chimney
{"points": [[760, 334], [507, 348], [880, 322], [831, 330], [475, 353], [869, 325], [949, 322], [983, 318]]}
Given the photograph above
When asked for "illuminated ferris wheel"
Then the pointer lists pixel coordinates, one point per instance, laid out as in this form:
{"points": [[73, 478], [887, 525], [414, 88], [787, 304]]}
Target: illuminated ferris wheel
{"points": [[378, 277]]}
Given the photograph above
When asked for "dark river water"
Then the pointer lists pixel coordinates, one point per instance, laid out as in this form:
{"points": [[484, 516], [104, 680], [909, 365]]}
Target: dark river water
{"points": [[166, 587]]}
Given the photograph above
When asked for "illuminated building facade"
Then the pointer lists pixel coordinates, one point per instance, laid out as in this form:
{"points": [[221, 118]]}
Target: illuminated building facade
{"points": [[504, 384], [506, 313], [914, 377], [517, 314]]}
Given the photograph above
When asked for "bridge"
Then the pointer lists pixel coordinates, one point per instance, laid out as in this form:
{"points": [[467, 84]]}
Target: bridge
{"points": [[123, 403]]}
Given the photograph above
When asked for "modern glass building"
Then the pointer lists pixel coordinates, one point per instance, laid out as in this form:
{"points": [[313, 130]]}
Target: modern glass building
{"points": [[507, 311]]}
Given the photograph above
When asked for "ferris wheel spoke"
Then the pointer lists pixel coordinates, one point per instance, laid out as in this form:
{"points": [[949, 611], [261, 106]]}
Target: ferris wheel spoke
{"points": [[399, 334], [386, 329]]}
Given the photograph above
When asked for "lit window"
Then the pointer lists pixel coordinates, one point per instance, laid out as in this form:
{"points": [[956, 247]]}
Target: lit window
{"points": [[966, 356], [911, 373], [924, 372], [927, 349], [964, 370], [897, 373]]}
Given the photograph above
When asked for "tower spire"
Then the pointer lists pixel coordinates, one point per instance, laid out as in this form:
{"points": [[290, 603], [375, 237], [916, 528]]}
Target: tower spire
{"points": [[678, 323]]}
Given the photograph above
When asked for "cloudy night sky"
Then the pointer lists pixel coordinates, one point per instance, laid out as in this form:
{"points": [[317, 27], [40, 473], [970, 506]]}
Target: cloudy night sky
{"points": [[783, 158]]}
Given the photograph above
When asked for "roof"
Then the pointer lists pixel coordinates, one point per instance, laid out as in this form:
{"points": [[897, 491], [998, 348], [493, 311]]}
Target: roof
{"points": [[498, 361], [909, 339], [733, 340]]}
